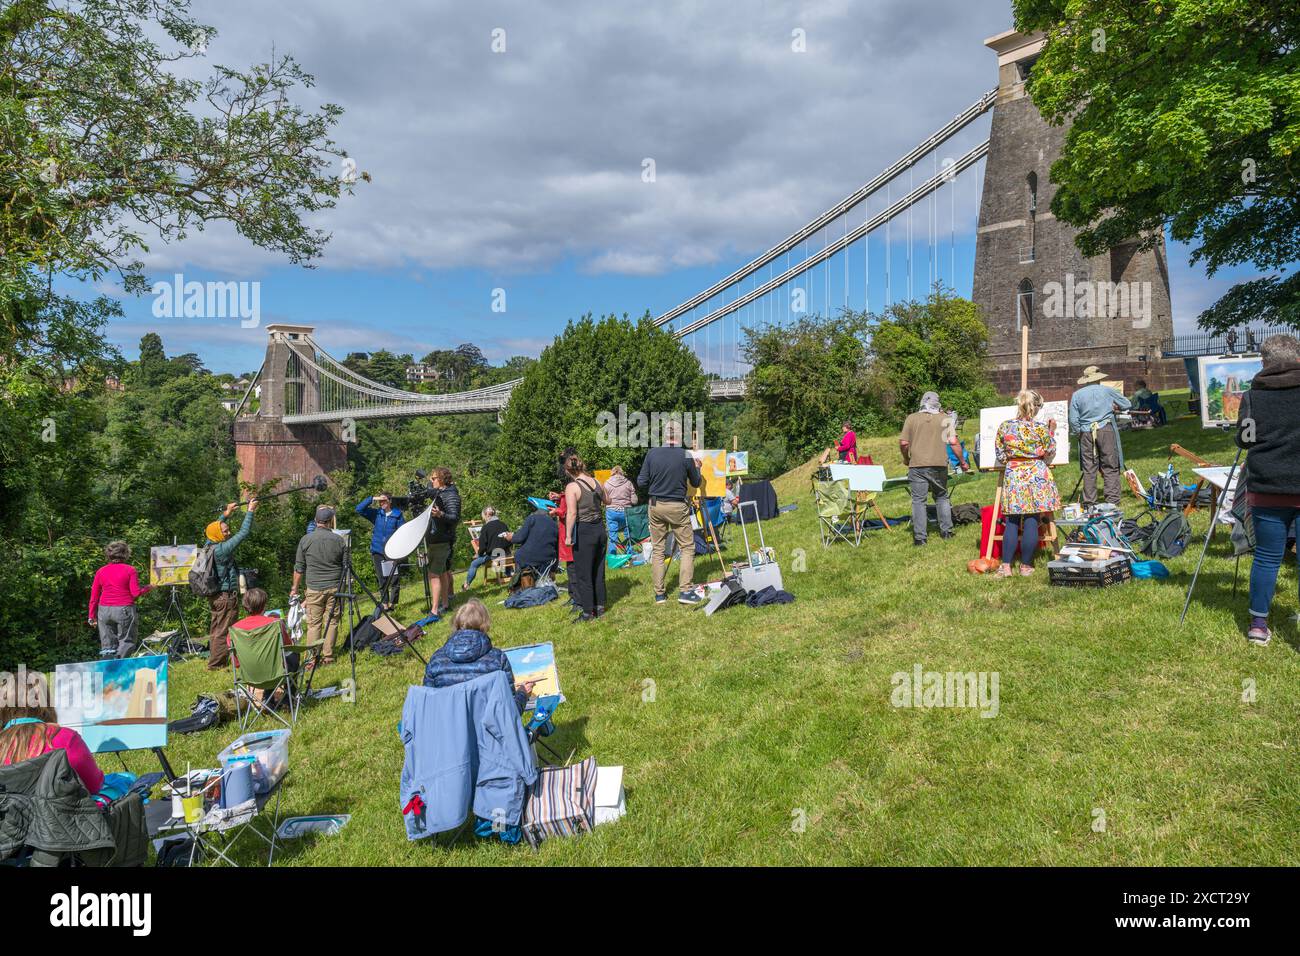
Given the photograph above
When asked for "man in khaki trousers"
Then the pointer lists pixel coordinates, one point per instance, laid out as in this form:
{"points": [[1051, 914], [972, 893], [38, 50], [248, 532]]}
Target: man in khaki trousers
{"points": [[665, 475], [320, 559]]}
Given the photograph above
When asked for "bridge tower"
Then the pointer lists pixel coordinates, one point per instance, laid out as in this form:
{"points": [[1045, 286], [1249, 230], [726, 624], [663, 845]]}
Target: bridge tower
{"points": [[265, 446], [1027, 265]]}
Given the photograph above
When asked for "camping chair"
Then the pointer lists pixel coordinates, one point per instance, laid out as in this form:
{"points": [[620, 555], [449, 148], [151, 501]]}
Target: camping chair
{"points": [[638, 525], [259, 660], [839, 513]]}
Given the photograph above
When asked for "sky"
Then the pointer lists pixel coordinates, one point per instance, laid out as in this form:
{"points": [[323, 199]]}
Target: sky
{"points": [[507, 145]]}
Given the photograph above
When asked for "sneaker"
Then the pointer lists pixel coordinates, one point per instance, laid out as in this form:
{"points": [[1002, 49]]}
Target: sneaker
{"points": [[584, 618], [1259, 632], [918, 542], [661, 599], [689, 598], [947, 535]]}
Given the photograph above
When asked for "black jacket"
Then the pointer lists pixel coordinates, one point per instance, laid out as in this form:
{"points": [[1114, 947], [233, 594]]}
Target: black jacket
{"points": [[443, 529], [1272, 408], [666, 472]]}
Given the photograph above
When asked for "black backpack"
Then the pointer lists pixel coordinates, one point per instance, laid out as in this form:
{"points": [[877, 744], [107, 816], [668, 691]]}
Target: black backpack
{"points": [[204, 581]]}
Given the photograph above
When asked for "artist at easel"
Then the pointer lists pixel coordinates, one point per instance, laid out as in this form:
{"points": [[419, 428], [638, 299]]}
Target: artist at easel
{"points": [[1025, 448]]}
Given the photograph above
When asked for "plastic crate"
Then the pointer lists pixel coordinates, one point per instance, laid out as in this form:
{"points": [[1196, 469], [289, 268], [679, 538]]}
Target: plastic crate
{"points": [[266, 750], [1089, 574]]}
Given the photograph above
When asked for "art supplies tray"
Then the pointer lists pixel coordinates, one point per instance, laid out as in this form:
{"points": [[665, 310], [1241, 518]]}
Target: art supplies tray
{"points": [[328, 824], [1089, 574]]}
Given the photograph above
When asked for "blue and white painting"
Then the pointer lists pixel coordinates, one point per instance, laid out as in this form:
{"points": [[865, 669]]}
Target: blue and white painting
{"points": [[114, 704]]}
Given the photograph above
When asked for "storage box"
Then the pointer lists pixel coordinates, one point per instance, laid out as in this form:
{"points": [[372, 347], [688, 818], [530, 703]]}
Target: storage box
{"points": [[755, 579], [266, 750], [1089, 574]]}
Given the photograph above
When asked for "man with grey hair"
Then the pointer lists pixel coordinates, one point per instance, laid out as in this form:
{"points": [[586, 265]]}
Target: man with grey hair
{"points": [[665, 475], [924, 442], [492, 542], [320, 559], [1268, 427]]}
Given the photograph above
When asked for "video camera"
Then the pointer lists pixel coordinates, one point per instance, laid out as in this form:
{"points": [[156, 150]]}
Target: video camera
{"points": [[418, 492]]}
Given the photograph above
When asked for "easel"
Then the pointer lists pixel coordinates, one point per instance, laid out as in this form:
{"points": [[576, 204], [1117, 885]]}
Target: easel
{"points": [[180, 645], [1199, 462]]}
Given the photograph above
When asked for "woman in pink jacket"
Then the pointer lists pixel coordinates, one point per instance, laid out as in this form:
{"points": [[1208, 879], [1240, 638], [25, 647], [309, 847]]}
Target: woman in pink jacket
{"points": [[112, 601], [28, 732]]}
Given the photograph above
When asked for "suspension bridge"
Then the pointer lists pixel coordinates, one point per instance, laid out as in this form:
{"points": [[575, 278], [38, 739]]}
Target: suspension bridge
{"points": [[884, 243]]}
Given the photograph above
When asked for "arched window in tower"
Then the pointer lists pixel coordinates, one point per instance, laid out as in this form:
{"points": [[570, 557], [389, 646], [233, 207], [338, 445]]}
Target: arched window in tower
{"points": [[1024, 304], [1032, 181]]}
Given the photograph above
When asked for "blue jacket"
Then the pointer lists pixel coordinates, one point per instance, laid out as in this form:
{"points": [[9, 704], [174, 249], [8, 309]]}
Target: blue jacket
{"points": [[465, 745], [537, 542], [385, 524], [466, 655]]}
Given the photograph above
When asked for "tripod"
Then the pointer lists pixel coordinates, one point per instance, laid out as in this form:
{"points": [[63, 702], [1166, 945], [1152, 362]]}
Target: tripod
{"points": [[348, 581]]}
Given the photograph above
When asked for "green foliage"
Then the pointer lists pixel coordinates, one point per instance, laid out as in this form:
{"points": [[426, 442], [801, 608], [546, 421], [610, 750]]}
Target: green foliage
{"points": [[809, 377], [937, 345], [1185, 113], [591, 368]]}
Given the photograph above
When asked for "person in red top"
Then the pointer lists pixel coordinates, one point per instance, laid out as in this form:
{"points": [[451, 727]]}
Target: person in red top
{"points": [[112, 601], [255, 604], [31, 730]]}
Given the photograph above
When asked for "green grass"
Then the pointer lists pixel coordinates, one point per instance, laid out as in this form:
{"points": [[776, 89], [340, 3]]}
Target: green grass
{"points": [[1105, 702]]}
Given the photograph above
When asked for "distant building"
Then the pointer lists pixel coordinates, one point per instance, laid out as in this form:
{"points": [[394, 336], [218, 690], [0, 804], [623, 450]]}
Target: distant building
{"points": [[420, 373]]}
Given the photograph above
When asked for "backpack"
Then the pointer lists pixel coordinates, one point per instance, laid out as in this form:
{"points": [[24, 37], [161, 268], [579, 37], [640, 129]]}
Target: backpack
{"points": [[204, 581], [1164, 538], [1166, 490]]}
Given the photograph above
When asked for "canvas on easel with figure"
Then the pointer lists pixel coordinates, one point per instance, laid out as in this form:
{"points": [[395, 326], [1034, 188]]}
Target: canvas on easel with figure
{"points": [[1224, 381]]}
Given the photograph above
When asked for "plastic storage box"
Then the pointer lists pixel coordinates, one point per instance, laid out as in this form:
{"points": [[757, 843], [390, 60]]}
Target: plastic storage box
{"points": [[266, 750], [1089, 574]]}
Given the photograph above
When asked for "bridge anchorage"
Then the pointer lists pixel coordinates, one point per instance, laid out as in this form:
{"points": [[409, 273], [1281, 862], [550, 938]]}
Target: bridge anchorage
{"points": [[1022, 255]]}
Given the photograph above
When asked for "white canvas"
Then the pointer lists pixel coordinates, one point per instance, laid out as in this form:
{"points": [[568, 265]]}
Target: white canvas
{"points": [[991, 418]]}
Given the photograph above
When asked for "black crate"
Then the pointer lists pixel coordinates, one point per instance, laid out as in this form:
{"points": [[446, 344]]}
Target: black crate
{"points": [[1091, 574]]}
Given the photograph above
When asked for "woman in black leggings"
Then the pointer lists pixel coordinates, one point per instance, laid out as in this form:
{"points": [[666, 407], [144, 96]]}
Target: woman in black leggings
{"points": [[585, 532]]}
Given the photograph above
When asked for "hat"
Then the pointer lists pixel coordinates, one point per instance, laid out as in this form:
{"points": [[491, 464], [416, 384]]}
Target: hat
{"points": [[215, 532], [324, 514], [1092, 374]]}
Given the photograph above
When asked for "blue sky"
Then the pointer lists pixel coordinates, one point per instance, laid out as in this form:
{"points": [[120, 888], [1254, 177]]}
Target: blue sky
{"points": [[521, 169]]}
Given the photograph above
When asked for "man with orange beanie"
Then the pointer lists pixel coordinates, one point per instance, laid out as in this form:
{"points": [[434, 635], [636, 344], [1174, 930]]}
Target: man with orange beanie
{"points": [[225, 603]]}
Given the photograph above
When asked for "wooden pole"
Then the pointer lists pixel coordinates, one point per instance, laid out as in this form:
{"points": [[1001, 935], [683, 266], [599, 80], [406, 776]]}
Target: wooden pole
{"points": [[1024, 356]]}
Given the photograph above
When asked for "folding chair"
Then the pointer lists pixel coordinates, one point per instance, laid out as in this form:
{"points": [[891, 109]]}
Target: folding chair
{"points": [[839, 513], [259, 660]]}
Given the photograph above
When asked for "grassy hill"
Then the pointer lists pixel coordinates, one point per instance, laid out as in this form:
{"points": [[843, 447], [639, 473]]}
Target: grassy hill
{"points": [[762, 719]]}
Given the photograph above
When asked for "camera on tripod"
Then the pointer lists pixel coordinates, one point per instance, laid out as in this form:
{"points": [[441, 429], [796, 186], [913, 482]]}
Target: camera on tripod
{"points": [[418, 492]]}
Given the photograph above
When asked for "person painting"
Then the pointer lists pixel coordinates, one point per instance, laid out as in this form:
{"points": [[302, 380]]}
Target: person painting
{"points": [[27, 732], [468, 653], [225, 603], [1092, 418], [113, 594], [493, 541], [1268, 427], [846, 449], [1026, 448], [585, 532], [926, 436], [379, 511]]}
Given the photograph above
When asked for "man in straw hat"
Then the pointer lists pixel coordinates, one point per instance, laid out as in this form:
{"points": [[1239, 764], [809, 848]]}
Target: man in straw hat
{"points": [[1092, 418]]}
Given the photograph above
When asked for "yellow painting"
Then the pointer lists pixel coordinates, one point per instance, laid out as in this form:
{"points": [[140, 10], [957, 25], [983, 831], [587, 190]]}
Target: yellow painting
{"points": [[170, 564], [713, 469]]}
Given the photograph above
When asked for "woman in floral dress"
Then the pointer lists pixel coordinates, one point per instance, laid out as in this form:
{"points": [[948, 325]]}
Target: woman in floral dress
{"points": [[1026, 447]]}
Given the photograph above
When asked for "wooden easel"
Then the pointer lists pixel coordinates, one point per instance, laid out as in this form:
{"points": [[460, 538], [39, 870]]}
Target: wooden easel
{"points": [[1199, 462]]}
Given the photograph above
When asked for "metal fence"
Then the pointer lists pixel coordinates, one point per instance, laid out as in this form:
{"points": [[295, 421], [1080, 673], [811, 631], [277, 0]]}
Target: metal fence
{"points": [[1216, 343]]}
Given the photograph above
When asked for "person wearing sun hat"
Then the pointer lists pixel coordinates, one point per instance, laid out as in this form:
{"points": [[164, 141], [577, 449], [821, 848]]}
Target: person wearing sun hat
{"points": [[1092, 418], [225, 603]]}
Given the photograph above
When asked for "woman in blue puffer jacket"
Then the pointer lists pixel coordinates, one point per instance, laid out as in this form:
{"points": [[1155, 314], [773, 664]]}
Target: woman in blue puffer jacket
{"points": [[469, 653]]}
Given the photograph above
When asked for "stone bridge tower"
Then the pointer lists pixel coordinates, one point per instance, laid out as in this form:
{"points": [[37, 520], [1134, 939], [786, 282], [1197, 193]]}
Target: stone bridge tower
{"points": [[265, 445], [1027, 266]]}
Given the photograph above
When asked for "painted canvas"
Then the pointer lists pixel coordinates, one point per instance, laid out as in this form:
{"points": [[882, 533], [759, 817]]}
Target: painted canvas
{"points": [[991, 418], [1224, 381], [114, 704], [536, 662], [737, 464], [713, 471], [170, 564]]}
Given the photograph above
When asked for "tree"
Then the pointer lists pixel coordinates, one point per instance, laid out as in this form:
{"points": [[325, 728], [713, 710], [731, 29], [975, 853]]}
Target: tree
{"points": [[938, 345], [808, 377], [1184, 114], [592, 368]]}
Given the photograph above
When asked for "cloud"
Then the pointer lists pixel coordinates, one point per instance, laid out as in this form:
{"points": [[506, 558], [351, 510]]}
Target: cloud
{"points": [[514, 161]]}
